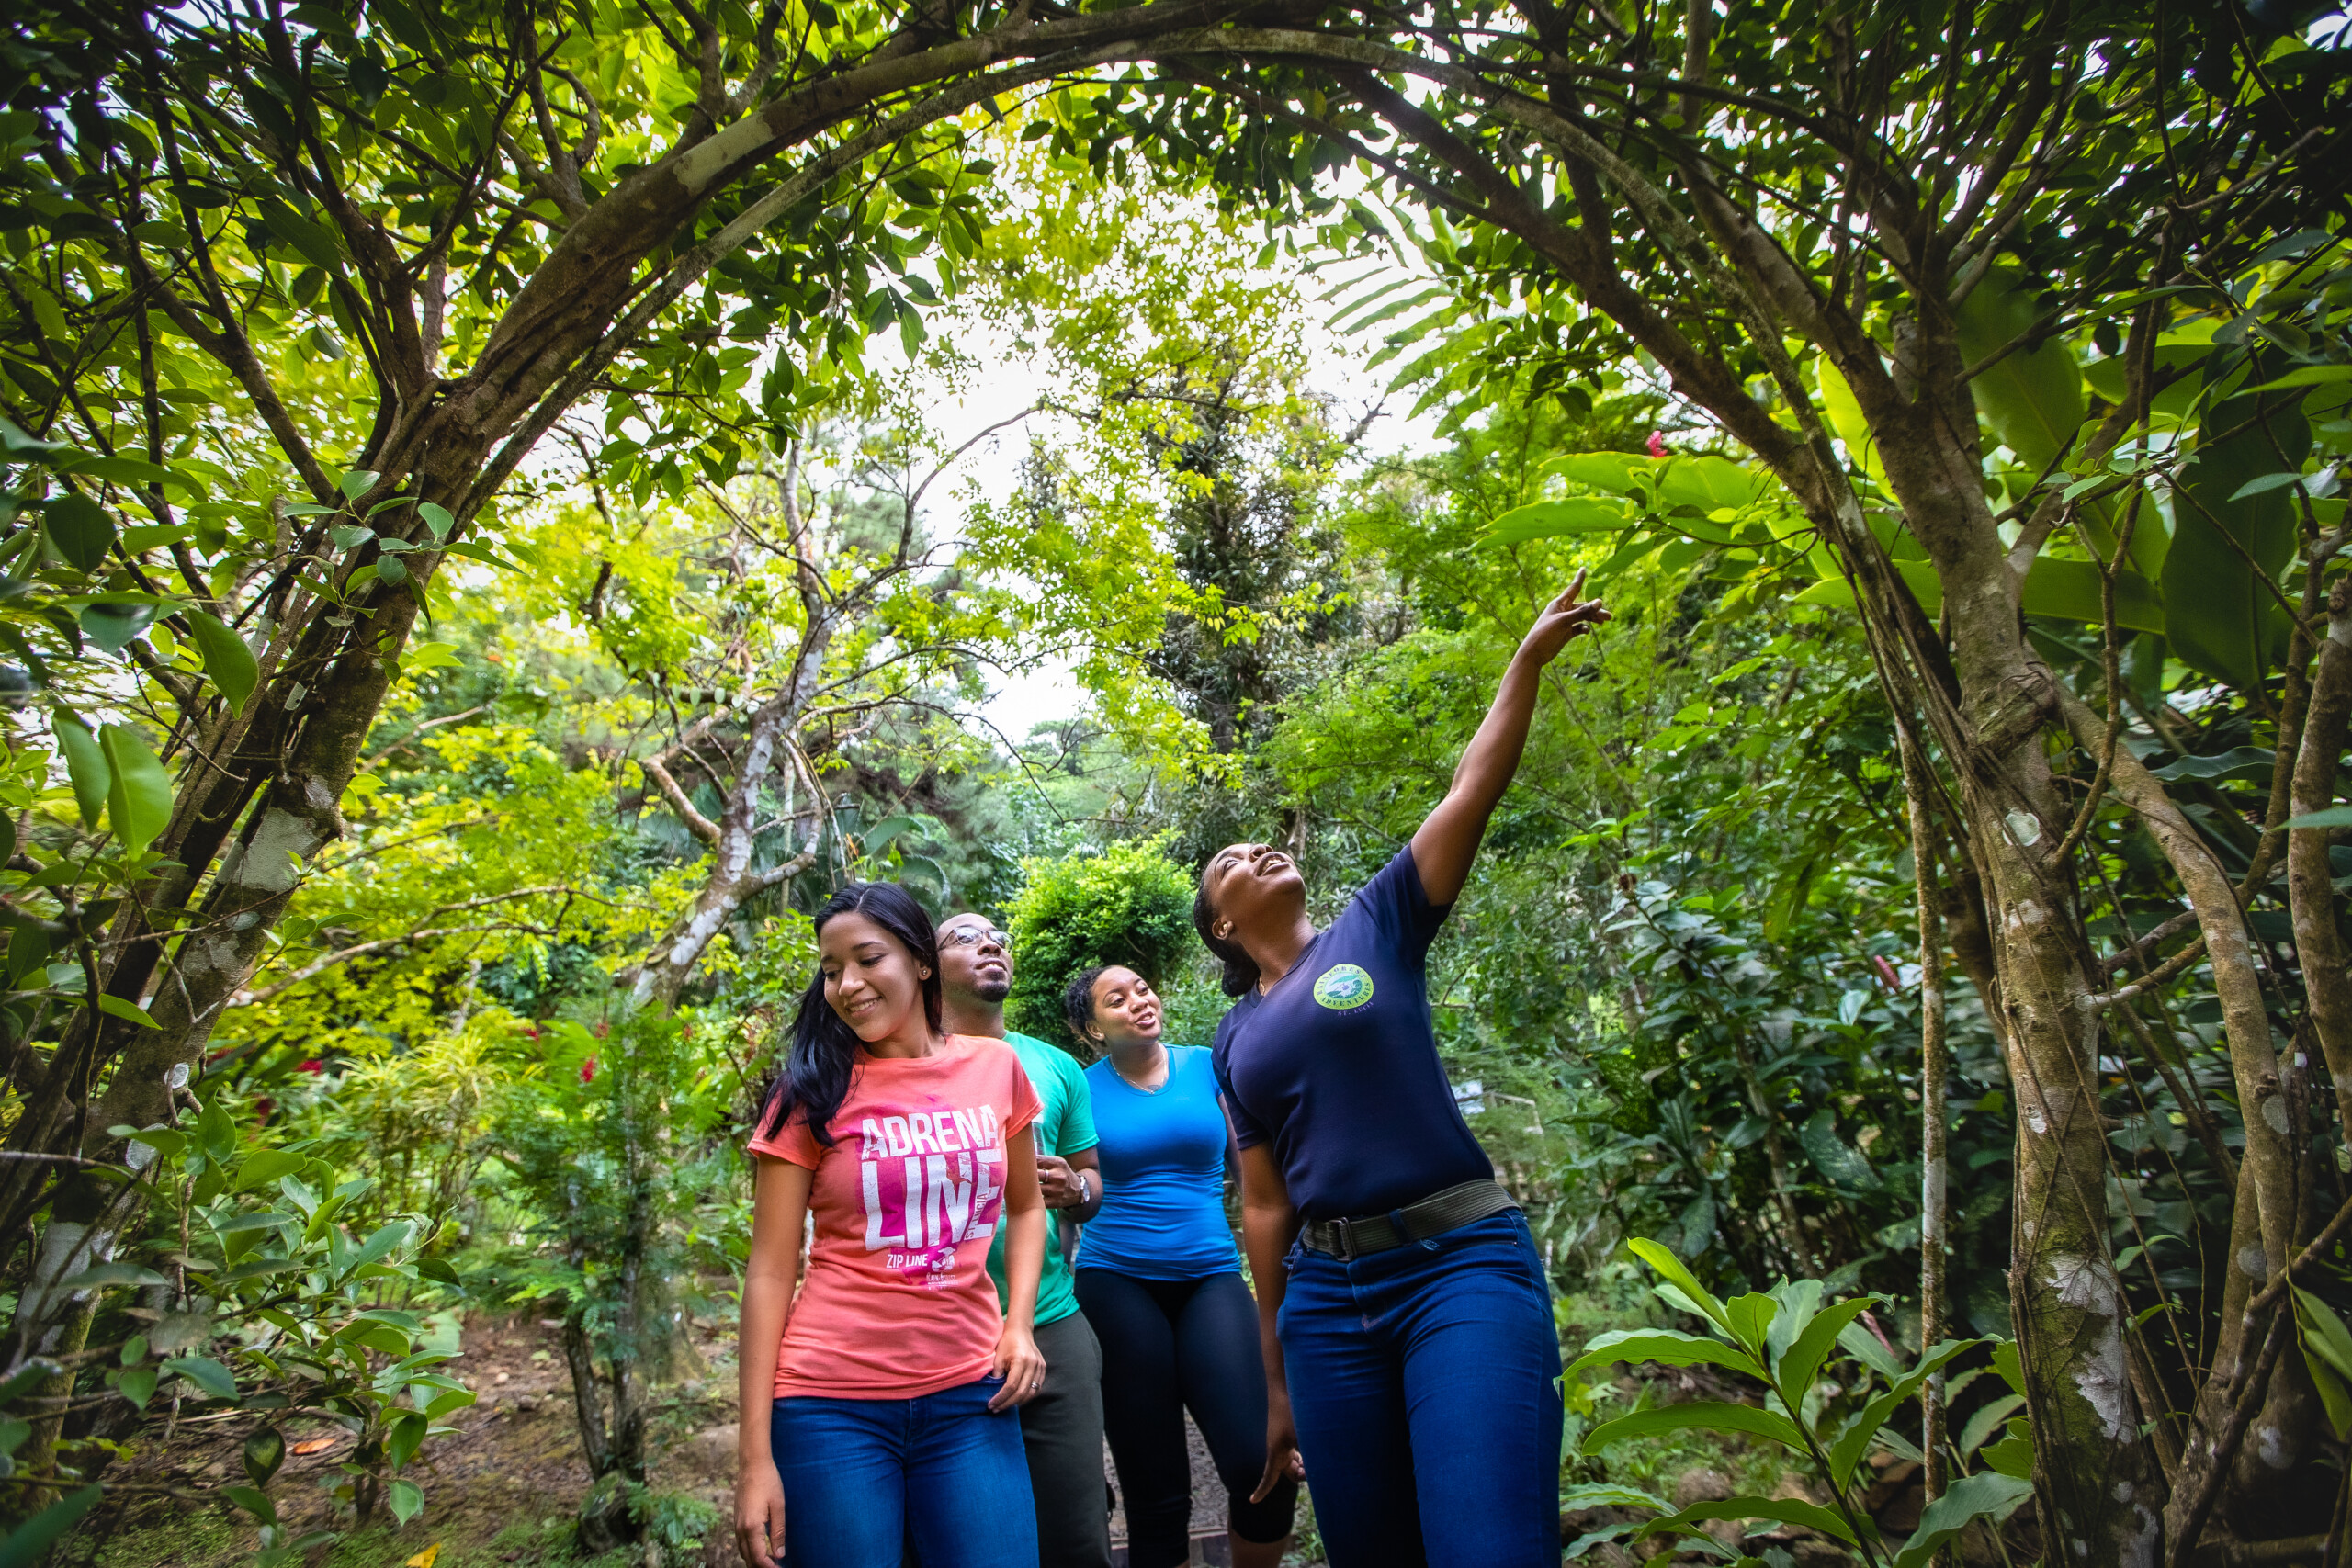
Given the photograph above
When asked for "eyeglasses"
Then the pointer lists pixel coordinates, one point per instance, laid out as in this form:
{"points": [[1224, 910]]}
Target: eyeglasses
{"points": [[972, 936]]}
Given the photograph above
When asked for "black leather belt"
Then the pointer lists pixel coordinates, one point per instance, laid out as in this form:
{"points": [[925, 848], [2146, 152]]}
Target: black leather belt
{"points": [[1434, 1215]]}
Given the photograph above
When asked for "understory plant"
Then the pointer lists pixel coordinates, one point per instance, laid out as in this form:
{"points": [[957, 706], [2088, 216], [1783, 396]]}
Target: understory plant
{"points": [[1785, 1340], [251, 1299]]}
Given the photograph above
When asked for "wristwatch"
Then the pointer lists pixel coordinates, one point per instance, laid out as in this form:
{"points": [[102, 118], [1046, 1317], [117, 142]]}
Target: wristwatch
{"points": [[1084, 1196]]}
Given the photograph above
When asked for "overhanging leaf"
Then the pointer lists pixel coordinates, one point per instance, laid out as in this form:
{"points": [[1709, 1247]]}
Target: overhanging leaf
{"points": [[85, 767], [1698, 1415], [1985, 1495], [138, 796], [226, 657]]}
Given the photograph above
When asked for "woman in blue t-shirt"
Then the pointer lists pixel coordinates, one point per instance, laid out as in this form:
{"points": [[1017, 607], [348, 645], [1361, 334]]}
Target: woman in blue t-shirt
{"points": [[1161, 1285], [1404, 1313]]}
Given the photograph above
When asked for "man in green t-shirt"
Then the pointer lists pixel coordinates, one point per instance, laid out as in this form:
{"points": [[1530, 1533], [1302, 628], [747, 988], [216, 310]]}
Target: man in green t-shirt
{"points": [[1062, 1426]]}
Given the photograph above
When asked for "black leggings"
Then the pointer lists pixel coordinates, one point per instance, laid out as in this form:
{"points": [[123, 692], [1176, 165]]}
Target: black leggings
{"points": [[1170, 1346]]}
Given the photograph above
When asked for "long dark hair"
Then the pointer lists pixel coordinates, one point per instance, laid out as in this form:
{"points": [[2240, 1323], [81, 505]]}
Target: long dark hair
{"points": [[816, 1074], [1241, 969]]}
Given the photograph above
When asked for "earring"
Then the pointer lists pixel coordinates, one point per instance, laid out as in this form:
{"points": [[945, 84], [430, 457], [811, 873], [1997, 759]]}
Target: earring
{"points": [[922, 974]]}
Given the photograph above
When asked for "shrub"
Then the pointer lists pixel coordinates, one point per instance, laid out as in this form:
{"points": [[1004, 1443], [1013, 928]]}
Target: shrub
{"points": [[1125, 904]]}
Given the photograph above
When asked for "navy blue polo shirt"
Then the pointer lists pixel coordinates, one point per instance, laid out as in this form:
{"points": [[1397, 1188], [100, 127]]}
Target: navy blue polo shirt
{"points": [[1337, 1067]]}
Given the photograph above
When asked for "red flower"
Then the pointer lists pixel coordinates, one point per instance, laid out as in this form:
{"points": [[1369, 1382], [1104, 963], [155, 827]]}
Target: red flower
{"points": [[261, 1108], [1657, 443], [604, 1027], [312, 1066], [588, 1069]]}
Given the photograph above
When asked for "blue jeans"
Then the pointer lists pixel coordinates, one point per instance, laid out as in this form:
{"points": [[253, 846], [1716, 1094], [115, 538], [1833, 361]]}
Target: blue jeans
{"points": [[862, 1478], [1423, 1380]]}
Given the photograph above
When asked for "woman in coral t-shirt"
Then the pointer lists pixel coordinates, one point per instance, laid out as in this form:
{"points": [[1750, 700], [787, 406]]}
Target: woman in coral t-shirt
{"points": [[877, 1406]]}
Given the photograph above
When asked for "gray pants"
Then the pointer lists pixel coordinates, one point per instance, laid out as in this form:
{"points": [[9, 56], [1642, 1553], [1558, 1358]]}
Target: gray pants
{"points": [[1062, 1429]]}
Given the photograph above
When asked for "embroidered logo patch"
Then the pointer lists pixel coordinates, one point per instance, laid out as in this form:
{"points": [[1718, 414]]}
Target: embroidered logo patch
{"points": [[1343, 987]]}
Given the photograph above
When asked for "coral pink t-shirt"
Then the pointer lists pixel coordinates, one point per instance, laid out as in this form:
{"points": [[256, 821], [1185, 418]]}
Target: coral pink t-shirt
{"points": [[898, 1301]]}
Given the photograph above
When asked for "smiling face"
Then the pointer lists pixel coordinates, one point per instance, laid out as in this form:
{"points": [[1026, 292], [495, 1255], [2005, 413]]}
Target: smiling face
{"points": [[975, 960], [1127, 1009], [871, 980], [1253, 886]]}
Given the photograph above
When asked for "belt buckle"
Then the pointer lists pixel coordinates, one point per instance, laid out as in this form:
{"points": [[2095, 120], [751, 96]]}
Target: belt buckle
{"points": [[1347, 1238]]}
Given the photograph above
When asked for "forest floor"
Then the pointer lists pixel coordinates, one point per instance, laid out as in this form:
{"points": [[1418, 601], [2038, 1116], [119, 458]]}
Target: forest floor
{"points": [[502, 1490]]}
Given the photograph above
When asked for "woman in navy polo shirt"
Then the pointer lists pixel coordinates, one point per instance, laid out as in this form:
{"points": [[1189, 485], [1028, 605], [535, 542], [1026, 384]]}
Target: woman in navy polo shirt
{"points": [[1404, 1317]]}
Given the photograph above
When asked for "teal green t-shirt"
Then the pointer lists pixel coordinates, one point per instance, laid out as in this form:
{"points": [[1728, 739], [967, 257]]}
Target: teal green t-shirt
{"points": [[1065, 1127]]}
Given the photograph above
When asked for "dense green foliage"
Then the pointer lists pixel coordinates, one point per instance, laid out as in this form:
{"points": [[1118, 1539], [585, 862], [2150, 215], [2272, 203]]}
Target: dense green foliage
{"points": [[489, 538]]}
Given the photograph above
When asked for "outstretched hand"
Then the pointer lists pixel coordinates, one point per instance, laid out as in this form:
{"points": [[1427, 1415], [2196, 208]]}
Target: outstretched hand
{"points": [[1563, 621]]}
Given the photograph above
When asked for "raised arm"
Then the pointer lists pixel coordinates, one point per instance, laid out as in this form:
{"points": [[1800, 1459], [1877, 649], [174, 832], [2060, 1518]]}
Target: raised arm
{"points": [[1448, 841], [779, 1214]]}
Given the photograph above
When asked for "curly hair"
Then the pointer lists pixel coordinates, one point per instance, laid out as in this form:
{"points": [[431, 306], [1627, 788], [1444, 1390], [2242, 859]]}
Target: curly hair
{"points": [[1078, 1003]]}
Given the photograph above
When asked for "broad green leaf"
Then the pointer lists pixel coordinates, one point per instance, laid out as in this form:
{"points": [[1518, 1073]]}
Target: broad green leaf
{"points": [[2333, 817], [2033, 398], [437, 517], [357, 483], [1667, 1348], [226, 657], [114, 1274], [1780, 1510], [139, 799], [268, 1165], [1698, 1415], [2069, 590], [205, 1373], [80, 530], [1664, 1262], [2222, 615], [2307, 376], [86, 766], [1550, 519], [1854, 1441], [1596, 1495], [2323, 1331], [408, 1432], [406, 1500], [1987, 1421], [138, 1384], [1838, 1161], [1802, 1365], [1985, 1495], [130, 1012], [1751, 1318], [1837, 400], [264, 1452], [29, 1543]]}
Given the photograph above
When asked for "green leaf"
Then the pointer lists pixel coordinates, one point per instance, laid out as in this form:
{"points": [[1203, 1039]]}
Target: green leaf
{"points": [[139, 802], [268, 1165], [391, 568], [1550, 519], [1987, 1421], [437, 517], [138, 1384], [1602, 1495], [1664, 1262], [1802, 1365], [1699, 1414], [80, 530], [1751, 1318], [2333, 817], [406, 1500], [116, 625], [1780, 1510], [132, 1012], [2307, 376], [2033, 398], [2064, 590], [357, 483], [407, 1434], [30, 1542], [226, 657], [1838, 1161], [86, 766], [253, 1501], [1667, 1347], [205, 1373], [1854, 1441], [2222, 615], [265, 1452], [114, 1274], [2265, 485], [1985, 1495]]}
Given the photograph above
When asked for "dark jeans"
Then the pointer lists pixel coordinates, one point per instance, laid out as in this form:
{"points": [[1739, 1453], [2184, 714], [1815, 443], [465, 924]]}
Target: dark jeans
{"points": [[1062, 1429], [862, 1477], [1423, 1380], [1170, 1346]]}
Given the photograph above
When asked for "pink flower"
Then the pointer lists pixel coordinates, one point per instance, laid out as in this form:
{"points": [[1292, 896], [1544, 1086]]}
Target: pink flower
{"points": [[312, 1066], [588, 1070], [1657, 443]]}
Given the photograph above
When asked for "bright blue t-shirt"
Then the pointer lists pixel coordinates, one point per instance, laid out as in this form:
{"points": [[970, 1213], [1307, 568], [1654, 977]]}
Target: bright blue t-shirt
{"points": [[1337, 1067], [1163, 1174]]}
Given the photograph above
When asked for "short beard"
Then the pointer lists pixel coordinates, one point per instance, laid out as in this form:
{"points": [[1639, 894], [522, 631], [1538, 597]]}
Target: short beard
{"points": [[992, 991]]}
